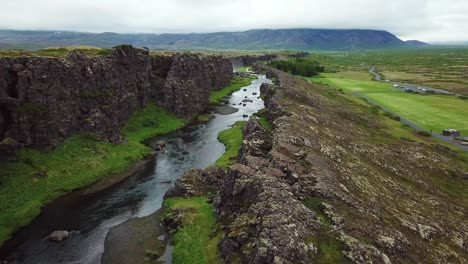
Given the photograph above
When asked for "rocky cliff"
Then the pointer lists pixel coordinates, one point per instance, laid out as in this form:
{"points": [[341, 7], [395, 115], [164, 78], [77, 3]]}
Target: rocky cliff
{"points": [[250, 60], [43, 100], [329, 185]]}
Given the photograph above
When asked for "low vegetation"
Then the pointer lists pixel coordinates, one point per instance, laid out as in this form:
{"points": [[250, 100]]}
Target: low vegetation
{"points": [[243, 69], [299, 66], [197, 237], [439, 67], [56, 52], [232, 139], [236, 84], [264, 122], [38, 177]]}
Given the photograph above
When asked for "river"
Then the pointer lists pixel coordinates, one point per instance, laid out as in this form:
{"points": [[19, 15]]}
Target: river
{"points": [[91, 217]]}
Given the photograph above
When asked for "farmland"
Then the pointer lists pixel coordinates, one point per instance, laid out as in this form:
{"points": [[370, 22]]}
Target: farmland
{"points": [[438, 67], [432, 112]]}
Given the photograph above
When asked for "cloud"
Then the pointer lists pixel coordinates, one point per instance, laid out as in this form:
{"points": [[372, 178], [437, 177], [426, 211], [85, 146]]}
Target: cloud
{"points": [[428, 20]]}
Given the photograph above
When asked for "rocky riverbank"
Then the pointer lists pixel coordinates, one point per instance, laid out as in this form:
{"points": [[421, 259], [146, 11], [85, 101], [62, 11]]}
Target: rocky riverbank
{"points": [[329, 185], [43, 100]]}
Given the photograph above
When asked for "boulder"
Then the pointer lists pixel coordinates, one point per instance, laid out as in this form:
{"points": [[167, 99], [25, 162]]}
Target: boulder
{"points": [[59, 235]]}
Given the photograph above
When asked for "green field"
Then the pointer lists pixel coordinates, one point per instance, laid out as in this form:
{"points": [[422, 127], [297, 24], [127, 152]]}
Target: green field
{"points": [[38, 177], [353, 81], [432, 112], [436, 66]]}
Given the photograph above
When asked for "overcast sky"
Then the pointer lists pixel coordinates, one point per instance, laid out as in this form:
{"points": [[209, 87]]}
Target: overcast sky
{"points": [[427, 20]]}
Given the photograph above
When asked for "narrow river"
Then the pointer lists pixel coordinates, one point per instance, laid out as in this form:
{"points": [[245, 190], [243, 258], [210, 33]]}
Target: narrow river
{"points": [[91, 217]]}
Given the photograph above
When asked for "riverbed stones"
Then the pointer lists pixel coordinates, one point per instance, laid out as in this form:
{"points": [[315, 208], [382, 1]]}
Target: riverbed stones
{"points": [[58, 235], [225, 110]]}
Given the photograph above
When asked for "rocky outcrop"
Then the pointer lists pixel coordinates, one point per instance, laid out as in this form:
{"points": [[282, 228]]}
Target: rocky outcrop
{"points": [[43, 100], [250, 60], [321, 187]]}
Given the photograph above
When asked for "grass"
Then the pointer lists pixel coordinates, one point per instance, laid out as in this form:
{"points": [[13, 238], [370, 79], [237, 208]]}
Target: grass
{"points": [[243, 69], [354, 81], [265, 123], [204, 118], [436, 66], [196, 241], [39, 177], [315, 204], [236, 84], [432, 112], [232, 139], [151, 121], [330, 250], [56, 52]]}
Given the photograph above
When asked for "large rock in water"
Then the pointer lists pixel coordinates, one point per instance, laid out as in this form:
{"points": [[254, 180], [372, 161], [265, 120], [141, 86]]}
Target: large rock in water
{"points": [[43, 100], [59, 235]]}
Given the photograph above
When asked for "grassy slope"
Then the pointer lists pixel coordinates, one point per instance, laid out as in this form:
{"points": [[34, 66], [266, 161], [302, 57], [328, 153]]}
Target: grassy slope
{"points": [[434, 112], [232, 138], [236, 83], [80, 160], [197, 239]]}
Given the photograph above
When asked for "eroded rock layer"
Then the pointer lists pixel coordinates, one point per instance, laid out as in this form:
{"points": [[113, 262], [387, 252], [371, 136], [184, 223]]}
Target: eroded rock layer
{"points": [[43, 100]]}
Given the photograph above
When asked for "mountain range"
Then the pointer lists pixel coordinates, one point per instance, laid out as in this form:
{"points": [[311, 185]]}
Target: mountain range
{"points": [[259, 39]]}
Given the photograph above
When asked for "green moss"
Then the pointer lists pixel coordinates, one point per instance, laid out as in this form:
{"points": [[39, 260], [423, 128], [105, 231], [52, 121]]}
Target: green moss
{"points": [[232, 138], [315, 204], [197, 238], [236, 84], [38, 177], [31, 108], [151, 121], [204, 118], [330, 249]]}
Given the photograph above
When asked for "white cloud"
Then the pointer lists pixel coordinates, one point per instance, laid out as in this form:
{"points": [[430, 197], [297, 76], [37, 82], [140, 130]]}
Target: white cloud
{"points": [[428, 20]]}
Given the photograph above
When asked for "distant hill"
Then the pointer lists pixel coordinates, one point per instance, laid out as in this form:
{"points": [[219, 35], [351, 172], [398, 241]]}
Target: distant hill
{"points": [[416, 43], [263, 39]]}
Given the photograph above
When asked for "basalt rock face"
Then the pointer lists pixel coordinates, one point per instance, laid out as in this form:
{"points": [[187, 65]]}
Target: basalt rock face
{"points": [[43, 100], [248, 60]]}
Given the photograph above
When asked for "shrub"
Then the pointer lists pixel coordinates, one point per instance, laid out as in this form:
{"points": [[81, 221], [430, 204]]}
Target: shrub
{"points": [[300, 66]]}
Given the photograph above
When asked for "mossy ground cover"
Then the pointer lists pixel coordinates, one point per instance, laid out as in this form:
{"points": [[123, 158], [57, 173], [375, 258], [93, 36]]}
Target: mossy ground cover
{"points": [[232, 138], [330, 249], [196, 241], [38, 177], [432, 112], [236, 84]]}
